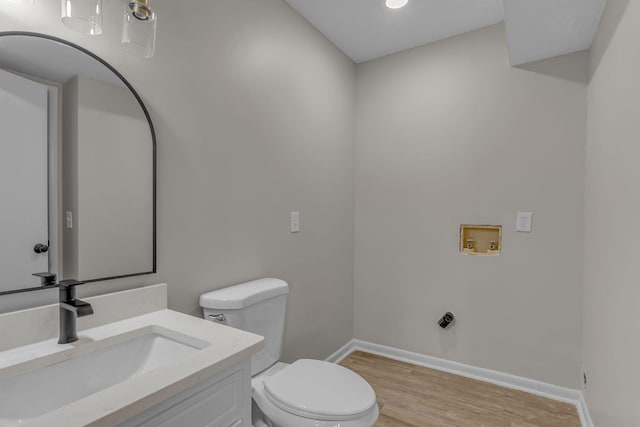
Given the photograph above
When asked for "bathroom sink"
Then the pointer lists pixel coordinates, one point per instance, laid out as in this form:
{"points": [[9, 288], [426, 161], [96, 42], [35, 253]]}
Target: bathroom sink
{"points": [[39, 386]]}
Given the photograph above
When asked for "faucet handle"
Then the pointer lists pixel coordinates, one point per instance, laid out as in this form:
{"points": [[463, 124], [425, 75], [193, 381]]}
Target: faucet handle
{"points": [[69, 283], [46, 279]]}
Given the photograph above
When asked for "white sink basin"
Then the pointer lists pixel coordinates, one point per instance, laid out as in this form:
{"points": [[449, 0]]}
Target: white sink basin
{"points": [[39, 386]]}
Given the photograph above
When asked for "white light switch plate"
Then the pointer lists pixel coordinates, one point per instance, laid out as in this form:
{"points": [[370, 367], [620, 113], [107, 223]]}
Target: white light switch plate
{"points": [[295, 222], [524, 221]]}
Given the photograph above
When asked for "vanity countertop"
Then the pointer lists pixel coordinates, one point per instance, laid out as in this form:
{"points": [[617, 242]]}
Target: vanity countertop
{"points": [[225, 347]]}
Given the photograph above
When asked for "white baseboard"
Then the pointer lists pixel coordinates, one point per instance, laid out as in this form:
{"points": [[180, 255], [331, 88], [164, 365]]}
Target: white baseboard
{"points": [[583, 411], [342, 352], [502, 379]]}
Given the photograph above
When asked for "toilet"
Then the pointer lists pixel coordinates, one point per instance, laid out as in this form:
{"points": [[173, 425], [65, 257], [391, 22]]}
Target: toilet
{"points": [[304, 393]]}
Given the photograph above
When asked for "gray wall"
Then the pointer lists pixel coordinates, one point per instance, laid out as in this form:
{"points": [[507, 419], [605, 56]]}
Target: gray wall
{"points": [[254, 112], [611, 294], [451, 134], [109, 167], [115, 201], [69, 177]]}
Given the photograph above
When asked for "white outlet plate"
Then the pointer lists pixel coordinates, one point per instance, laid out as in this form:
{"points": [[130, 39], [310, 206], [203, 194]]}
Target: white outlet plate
{"points": [[524, 222]]}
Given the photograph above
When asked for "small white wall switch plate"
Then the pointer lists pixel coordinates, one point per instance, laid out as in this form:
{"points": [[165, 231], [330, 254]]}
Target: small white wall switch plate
{"points": [[69, 219], [295, 222], [524, 221]]}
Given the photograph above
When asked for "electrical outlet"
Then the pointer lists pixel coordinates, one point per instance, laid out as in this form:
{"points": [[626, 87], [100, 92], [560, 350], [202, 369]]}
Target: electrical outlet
{"points": [[523, 222]]}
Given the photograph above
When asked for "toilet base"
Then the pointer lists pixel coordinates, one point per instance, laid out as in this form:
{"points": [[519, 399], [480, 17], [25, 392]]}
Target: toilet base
{"points": [[258, 419]]}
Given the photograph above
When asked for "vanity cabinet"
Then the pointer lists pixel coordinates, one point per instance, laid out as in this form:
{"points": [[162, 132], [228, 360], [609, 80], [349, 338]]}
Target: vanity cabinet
{"points": [[161, 368], [223, 400]]}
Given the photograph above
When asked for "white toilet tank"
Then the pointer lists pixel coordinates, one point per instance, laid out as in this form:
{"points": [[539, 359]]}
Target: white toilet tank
{"points": [[258, 307]]}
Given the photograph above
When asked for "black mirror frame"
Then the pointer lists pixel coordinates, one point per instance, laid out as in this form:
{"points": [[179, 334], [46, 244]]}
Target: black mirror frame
{"points": [[154, 149]]}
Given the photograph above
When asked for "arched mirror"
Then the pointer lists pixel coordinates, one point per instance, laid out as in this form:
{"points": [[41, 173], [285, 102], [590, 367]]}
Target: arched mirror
{"points": [[77, 167]]}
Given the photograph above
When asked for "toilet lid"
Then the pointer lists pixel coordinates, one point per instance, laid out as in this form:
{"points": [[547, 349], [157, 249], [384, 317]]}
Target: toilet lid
{"points": [[320, 390]]}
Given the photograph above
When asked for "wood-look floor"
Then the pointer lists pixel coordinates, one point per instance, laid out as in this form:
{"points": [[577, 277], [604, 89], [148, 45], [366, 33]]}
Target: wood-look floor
{"points": [[414, 396]]}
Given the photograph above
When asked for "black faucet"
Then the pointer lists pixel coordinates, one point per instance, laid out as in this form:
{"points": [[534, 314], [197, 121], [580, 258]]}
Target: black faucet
{"points": [[70, 309], [46, 279]]}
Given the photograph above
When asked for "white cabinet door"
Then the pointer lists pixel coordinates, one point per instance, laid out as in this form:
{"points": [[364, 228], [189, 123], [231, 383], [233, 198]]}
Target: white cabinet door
{"points": [[23, 180]]}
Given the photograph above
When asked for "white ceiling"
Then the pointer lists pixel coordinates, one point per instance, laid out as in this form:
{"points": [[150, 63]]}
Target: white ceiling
{"points": [[540, 29], [536, 29]]}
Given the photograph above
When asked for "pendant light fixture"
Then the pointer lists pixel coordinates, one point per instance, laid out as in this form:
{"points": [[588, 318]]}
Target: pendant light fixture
{"points": [[83, 16], [139, 28]]}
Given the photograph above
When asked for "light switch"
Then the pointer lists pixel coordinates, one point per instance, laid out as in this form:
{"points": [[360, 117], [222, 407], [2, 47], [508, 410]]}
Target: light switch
{"points": [[69, 219], [523, 222], [295, 222]]}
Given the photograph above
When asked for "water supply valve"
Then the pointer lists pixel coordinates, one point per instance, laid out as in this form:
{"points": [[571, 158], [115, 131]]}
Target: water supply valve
{"points": [[446, 320]]}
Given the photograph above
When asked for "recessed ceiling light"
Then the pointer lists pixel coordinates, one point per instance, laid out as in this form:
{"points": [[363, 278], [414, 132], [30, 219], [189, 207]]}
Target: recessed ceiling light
{"points": [[396, 4]]}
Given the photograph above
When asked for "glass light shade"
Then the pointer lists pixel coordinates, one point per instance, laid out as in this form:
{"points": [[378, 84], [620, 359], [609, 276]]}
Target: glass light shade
{"points": [[139, 35], [396, 4], [83, 16]]}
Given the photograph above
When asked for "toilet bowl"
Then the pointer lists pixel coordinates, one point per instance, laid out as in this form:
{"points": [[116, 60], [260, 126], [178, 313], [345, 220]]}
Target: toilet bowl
{"points": [[304, 393]]}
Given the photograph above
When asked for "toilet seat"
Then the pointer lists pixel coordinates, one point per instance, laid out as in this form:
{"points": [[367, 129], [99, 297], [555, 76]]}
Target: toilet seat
{"points": [[320, 390], [292, 414]]}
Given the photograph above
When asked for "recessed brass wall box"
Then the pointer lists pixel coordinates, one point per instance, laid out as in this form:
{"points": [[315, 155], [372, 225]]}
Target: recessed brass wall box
{"points": [[481, 239]]}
